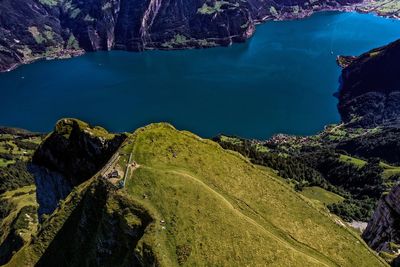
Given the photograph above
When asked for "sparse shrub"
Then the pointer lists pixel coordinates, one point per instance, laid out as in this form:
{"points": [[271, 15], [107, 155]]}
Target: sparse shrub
{"points": [[183, 253]]}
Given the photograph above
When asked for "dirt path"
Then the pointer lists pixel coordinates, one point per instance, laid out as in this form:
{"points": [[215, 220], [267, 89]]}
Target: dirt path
{"points": [[309, 252], [130, 167]]}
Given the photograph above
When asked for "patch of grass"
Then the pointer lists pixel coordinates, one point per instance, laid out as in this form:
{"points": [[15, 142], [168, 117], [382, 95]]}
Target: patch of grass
{"points": [[352, 160], [321, 195], [180, 40], [208, 10], [49, 2], [273, 11], [36, 34], [74, 13], [232, 140], [5, 162], [389, 170], [388, 257], [72, 42], [49, 34], [65, 126]]}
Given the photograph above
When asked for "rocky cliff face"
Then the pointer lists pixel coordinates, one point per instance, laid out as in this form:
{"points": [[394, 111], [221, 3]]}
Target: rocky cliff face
{"points": [[76, 150], [88, 222], [383, 230], [95, 227], [51, 187], [370, 91], [51, 28], [34, 29]]}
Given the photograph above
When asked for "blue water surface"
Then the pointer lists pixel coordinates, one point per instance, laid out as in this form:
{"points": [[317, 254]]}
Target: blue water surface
{"points": [[281, 80]]}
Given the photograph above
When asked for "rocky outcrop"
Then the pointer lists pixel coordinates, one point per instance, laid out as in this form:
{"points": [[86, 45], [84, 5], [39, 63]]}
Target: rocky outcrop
{"points": [[96, 226], [76, 150], [370, 88], [383, 231], [51, 187], [345, 61]]}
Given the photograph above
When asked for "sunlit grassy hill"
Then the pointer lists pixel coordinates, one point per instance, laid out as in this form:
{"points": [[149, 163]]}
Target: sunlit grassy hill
{"points": [[182, 200], [225, 211]]}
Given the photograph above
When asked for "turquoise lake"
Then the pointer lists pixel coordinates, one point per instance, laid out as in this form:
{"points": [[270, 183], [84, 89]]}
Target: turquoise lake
{"points": [[280, 81]]}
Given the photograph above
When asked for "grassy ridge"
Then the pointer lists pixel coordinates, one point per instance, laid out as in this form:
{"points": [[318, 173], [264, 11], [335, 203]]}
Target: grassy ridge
{"points": [[203, 206], [225, 211]]}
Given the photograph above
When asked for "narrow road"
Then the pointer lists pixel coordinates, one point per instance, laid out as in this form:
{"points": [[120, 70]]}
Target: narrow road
{"points": [[127, 169], [109, 164]]}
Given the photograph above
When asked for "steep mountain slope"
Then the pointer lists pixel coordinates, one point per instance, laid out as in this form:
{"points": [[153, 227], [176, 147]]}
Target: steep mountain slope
{"points": [[383, 230], [18, 205], [34, 29], [370, 91], [178, 199], [18, 220], [356, 163], [50, 28], [68, 156]]}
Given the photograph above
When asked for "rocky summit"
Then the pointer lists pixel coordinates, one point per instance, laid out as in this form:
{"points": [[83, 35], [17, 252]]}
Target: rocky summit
{"points": [[76, 149]]}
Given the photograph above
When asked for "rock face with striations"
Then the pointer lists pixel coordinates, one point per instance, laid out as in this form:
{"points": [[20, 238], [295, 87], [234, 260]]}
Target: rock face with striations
{"points": [[383, 230], [34, 29], [76, 150], [370, 91]]}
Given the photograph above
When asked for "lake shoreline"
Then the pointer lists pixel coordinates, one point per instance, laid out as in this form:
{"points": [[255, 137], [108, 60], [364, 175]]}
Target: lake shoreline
{"points": [[68, 53], [282, 80]]}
